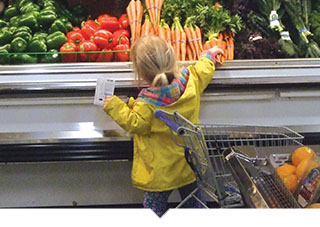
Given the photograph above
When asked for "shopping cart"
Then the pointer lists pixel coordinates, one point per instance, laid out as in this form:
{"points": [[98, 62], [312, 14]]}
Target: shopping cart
{"points": [[205, 145]]}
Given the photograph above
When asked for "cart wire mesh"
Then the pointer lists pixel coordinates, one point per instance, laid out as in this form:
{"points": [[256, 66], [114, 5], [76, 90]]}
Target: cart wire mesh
{"points": [[204, 145]]}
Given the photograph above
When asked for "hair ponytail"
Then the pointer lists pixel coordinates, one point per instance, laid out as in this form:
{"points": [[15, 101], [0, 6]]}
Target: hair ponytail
{"points": [[160, 80]]}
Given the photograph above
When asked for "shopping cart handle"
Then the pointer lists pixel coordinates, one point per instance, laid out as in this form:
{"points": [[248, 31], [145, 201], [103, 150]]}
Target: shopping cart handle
{"points": [[163, 117]]}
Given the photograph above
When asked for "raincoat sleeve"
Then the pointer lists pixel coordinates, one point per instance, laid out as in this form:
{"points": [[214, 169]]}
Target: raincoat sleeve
{"points": [[203, 70], [134, 118]]}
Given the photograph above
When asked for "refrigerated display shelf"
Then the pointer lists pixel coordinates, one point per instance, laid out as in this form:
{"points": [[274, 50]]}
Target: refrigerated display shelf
{"points": [[82, 76]]}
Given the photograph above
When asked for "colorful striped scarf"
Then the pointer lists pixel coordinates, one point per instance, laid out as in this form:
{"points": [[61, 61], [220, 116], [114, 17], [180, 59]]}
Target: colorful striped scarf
{"points": [[166, 95]]}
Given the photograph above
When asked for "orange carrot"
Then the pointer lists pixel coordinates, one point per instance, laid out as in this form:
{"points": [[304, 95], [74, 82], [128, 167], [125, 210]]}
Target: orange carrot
{"points": [[132, 12], [189, 53], [177, 30], [160, 8], [149, 6], [131, 20], [157, 10], [231, 44], [168, 31], [206, 46], [183, 45], [147, 26], [190, 38], [162, 31], [198, 51], [139, 12], [224, 47], [152, 11], [199, 37], [174, 40]]}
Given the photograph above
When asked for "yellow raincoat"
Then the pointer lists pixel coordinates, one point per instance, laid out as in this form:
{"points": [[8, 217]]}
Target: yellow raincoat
{"points": [[158, 163]]}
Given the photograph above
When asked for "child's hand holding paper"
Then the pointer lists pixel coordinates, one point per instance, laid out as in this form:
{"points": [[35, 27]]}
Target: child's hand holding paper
{"points": [[104, 88]]}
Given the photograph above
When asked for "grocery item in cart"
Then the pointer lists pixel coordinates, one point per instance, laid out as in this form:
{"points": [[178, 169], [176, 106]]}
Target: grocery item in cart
{"points": [[308, 189]]}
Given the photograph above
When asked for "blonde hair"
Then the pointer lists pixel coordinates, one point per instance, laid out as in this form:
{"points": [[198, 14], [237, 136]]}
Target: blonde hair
{"points": [[153, 61]]}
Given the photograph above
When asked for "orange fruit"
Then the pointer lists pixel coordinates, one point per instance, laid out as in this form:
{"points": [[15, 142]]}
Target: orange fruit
{"points": [[314, 205], [291, 182], [300, 154], [305, 166], [286, 170]]}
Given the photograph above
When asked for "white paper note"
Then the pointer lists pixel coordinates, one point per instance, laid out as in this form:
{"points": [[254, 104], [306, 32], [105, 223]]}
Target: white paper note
{"points": [[105, 87]]}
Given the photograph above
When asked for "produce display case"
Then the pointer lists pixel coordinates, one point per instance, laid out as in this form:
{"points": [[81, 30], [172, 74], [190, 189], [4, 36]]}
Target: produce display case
{"points": [[48, 116]]}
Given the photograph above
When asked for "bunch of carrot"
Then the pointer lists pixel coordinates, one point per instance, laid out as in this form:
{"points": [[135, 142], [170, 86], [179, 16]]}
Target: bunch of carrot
{"points": [[194, 37], [154, 8], [178, 39], [225, 41], [135, 11], [164, 31]]}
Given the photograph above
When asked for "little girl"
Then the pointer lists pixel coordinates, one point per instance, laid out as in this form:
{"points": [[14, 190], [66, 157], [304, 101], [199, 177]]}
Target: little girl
{"points": [[159, 165]]}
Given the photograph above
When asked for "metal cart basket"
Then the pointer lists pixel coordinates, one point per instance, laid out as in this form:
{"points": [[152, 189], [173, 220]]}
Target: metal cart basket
{"points": [[204, 145]]}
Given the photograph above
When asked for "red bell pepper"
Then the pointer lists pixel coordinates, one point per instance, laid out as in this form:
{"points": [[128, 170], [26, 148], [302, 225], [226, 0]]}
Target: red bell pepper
{"points": [[103, 16], [87, 31], [92, 23], [124, 21], [120, 39], [105, 57], [123, 32], [87, 46], [75, 37], [122, 56], [69, 47], [109, 23], [103, 39], [76, 29], [88, 28]]}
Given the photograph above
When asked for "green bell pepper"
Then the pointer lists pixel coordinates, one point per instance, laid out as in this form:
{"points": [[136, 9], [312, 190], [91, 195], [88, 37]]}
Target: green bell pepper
{"points": [[37, 45], [40, 36], [55, 40], [24, 28], [46, 17], [63, 18], [12, 29], [4, 54], [23, 59], [76, 21], [18, 45], [48, 3], [66, 13], [79, 10], [6, 47], [21, 3], [69, 26], [3, 24], [29, 20], [5, 36], [58, 25], [4, 57], [26, 8], [29, 7], [14, 21], [22, 34], [10, 11], [52, 56]]}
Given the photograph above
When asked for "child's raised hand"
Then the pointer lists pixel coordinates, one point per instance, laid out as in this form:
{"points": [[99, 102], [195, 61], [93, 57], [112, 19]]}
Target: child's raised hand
{"points": [[106, 101], [216, 50]]}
